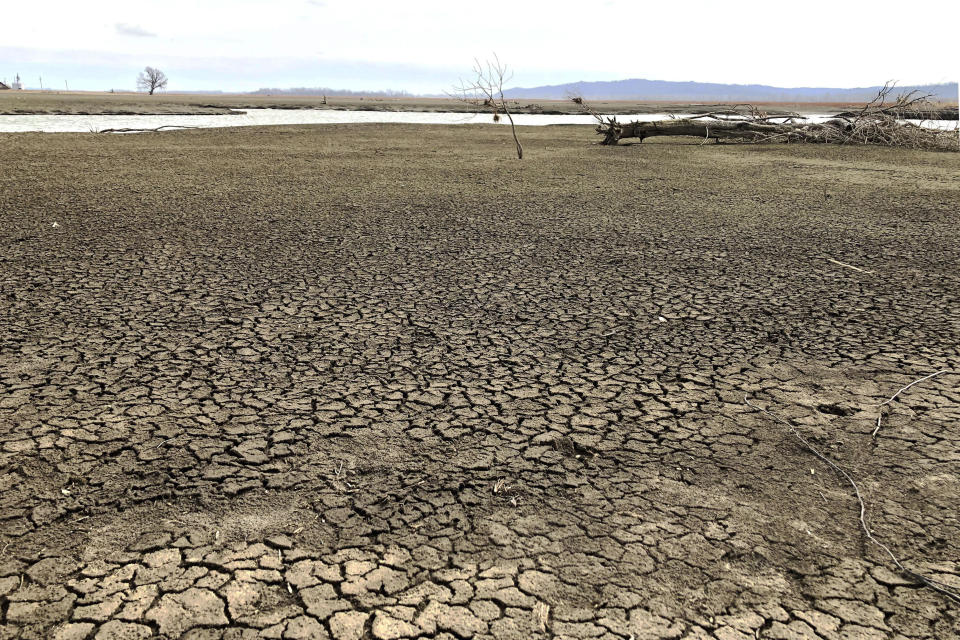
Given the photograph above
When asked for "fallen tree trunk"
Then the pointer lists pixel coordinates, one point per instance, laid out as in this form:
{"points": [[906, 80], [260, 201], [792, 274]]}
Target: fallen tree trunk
{"points": [[887, 131], [614, 131], [878, 122]]}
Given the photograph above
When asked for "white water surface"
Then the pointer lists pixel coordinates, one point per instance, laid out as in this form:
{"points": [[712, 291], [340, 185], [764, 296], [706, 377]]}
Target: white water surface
{"points": [[262, 117]]}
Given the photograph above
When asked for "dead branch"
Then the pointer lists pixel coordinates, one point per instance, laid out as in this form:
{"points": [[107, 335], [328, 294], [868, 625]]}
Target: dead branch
{"points": [[894, 397], [944, 589], [160, 128], [882, 121]]}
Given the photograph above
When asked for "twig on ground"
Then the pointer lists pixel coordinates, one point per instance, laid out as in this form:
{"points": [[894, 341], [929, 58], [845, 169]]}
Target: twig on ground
{"points": [[946, 590], [894, 397], [168, 440], [848, 266]]}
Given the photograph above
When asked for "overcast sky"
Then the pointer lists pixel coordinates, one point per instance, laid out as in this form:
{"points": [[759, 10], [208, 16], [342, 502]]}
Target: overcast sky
{"points": [[422, 46]]}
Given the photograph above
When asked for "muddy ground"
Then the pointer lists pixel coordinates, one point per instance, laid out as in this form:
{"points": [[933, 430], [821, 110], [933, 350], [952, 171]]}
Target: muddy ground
{"points": [[103, 103], [386, 381]]}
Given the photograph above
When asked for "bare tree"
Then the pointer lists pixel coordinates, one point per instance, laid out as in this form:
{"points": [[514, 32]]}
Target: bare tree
{"points": [[486, 91], [151, 79]]}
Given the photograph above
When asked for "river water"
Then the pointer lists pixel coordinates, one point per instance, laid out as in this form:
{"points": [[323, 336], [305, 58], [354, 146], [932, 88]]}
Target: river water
{"points": [[260, 117]]}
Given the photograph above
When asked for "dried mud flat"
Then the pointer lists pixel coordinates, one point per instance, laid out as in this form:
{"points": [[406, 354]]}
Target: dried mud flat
{"points": [[383, 382], [102, 103]]}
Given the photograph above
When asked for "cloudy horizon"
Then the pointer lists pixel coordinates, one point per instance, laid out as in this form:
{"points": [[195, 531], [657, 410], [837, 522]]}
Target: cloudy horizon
{"points": [[424, 46]]}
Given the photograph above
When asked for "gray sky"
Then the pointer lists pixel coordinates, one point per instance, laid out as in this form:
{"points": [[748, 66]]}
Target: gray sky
{"points": [[424, 45]]}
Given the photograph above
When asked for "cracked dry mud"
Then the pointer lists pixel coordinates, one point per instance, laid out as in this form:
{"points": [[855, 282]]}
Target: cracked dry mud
{"points": [[386, 382]]}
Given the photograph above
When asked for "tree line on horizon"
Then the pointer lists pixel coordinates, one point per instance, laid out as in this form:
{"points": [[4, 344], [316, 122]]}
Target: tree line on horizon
{"points": [[317, 91], [654, 90]]}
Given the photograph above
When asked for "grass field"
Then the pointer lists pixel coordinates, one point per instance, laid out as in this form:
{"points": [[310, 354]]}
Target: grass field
{"points": [[383, 381]]}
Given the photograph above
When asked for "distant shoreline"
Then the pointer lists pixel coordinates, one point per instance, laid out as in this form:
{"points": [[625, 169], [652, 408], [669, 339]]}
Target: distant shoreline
{"points": [[104, 103]]}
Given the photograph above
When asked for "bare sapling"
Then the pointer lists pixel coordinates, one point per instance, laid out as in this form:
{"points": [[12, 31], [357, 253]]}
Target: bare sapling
{"points": [[485, 91]]}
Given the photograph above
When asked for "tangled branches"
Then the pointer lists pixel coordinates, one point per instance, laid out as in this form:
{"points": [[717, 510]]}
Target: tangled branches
{"points": [[882, 121]]}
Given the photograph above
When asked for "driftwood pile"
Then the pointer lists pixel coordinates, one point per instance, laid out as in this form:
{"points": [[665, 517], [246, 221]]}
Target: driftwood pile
{"points": [[882, 121]]}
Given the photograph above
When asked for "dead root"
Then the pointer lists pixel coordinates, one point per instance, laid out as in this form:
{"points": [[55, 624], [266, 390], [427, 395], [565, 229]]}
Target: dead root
{"points": [[930, 583], [894, 397]]}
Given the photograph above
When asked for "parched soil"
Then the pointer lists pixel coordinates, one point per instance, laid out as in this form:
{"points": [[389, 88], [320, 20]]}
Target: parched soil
{"points": [[370, 381]]}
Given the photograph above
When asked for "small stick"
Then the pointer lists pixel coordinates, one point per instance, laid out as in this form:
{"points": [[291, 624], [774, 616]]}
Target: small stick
{"points": [[929, 582], [848, 266], [167, 440], [894, 397]]}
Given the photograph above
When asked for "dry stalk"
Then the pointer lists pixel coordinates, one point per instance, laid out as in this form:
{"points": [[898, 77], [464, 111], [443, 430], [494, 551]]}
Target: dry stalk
{"points": [[944, 589]]}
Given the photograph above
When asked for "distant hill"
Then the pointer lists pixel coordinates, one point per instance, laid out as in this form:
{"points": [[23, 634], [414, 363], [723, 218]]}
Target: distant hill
{"points": [[638, 89]]}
